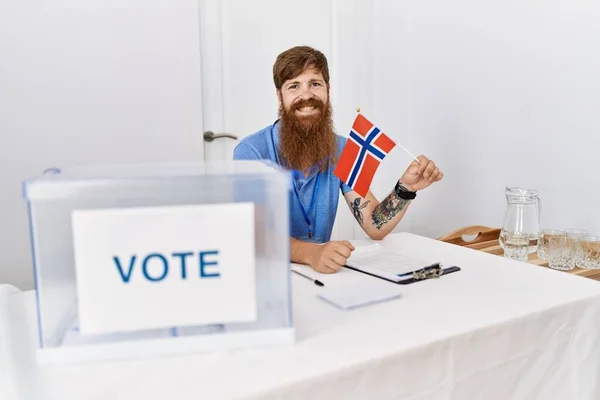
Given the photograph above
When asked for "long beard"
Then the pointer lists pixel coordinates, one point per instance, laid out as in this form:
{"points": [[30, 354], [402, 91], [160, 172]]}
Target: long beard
{"points": [[309, 140]]}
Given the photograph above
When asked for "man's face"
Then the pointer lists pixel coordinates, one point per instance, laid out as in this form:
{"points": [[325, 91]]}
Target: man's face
{"points": [[305, 96], [306, 137]]}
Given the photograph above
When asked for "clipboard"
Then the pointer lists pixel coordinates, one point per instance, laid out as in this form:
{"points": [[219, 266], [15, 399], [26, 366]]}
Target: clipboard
{"points": [[379, 262], [432, 271]]}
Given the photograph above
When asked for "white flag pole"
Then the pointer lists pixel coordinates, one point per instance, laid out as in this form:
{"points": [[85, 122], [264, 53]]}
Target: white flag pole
{"points": [[403, 148], [409, 153]]}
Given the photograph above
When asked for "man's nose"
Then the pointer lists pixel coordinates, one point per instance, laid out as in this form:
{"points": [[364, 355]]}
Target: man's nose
{"points": [[305, 92]]}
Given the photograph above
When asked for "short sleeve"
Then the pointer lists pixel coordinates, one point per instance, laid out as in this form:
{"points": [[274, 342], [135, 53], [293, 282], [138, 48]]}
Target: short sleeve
{"points": [[243, 151], [345, 188]]}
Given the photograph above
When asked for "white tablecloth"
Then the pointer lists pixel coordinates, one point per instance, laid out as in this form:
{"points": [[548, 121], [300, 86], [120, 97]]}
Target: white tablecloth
{"points": [[8, 388], [499, 329]]}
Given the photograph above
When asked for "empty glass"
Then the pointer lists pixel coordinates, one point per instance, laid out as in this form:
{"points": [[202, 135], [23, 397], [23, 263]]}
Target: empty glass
{"points": [[543, 241], [590, 252], [575, 236], [516, 245], [560, 252]]}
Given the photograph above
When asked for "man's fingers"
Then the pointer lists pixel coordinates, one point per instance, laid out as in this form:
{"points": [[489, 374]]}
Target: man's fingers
{"points": [[324, 269], [423, 168], [434, 174], [424, 163], [426, 172], [332, 265], [342, 250], [429, 170], [338, 259], [333, 256], [348, 244]]}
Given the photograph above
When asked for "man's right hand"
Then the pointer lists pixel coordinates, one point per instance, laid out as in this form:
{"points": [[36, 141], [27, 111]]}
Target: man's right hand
{"points": [[331, 256]]}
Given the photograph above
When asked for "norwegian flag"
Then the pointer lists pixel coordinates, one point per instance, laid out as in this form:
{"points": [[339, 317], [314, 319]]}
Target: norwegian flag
{"points": [[365, 148]]}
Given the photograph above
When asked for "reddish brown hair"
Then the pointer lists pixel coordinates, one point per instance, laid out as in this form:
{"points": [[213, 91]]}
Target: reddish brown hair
{"points": [[294, 61]]}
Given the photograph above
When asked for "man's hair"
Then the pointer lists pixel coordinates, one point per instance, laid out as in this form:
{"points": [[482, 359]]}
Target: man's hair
{"points": [[294, 61]]}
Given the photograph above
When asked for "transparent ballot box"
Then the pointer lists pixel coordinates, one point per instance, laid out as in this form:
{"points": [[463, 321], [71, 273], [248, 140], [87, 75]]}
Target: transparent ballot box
{"points": [[133, 261]]}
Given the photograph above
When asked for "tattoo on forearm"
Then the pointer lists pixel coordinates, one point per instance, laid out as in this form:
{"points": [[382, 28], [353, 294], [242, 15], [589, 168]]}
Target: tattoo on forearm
{"points": [[356, 207], [387, 209]]}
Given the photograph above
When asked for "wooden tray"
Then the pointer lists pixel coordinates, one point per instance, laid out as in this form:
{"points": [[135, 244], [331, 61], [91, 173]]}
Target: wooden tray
{"points": [[493, 247]]}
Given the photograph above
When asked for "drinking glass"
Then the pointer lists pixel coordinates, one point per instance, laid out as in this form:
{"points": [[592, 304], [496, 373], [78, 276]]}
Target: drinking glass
{"points": [[590, 252], [516, 245], [560, 252], [575, 236], [543, 241]]}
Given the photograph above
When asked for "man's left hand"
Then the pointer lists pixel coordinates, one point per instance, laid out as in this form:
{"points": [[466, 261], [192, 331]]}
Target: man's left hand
{"points": [[419, 176]]}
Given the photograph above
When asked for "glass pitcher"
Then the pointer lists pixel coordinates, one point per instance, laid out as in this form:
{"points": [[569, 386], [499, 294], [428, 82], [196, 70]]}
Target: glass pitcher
{"points": [[522, 218]]}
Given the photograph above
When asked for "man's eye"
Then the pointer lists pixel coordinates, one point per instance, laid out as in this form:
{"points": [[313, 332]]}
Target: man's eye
{"points": [[293, 87], [316, 84]]}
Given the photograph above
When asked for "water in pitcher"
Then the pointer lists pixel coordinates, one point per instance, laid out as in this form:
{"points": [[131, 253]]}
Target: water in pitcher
{"points": [[521, 222], [517, 243]]}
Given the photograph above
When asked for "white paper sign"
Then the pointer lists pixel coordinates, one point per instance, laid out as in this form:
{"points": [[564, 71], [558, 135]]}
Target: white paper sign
{"points": [[164, 266]]}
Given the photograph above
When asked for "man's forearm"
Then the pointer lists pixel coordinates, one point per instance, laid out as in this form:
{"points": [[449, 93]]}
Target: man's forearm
{"points": [[389, 212], [301, 252], [384, 216]]}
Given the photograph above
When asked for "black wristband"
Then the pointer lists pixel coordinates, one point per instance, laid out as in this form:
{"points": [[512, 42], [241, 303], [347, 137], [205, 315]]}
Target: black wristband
{"points": [[403, 192]]}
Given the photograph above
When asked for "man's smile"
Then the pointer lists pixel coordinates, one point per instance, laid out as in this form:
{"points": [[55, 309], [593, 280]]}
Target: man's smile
{"points": [[307, 110]]}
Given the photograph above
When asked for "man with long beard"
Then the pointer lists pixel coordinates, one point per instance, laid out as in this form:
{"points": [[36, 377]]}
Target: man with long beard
{"points": [[303, 140]]}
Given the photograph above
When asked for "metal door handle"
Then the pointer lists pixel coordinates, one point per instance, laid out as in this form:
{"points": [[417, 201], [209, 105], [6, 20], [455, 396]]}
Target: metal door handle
{"points": [[210, 136]]}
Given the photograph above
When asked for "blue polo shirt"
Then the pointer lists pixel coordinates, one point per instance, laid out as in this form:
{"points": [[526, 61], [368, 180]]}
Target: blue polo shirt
{"points": [[323, 186]]}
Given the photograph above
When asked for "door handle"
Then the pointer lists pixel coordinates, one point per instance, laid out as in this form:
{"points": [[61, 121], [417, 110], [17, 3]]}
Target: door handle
{"points": [[210, 136]]}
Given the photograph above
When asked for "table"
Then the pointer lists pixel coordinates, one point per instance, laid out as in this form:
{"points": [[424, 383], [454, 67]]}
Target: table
{"points": [[493, 247], [499, 329]]}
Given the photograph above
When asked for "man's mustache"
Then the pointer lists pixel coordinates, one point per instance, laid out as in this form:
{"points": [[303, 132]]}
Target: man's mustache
{"points": [[312, 102]]}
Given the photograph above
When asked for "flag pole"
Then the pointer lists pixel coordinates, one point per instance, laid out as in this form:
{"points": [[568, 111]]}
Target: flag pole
{"points": [[409, 153], [403, 148]]}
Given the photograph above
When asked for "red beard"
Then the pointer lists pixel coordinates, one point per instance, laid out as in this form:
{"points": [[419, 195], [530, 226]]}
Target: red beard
{"points": [[308, 140]]}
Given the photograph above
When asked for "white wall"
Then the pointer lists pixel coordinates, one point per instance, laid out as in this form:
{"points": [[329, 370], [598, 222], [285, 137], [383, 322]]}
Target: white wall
{"points": [[497, 93], [90, 83]]}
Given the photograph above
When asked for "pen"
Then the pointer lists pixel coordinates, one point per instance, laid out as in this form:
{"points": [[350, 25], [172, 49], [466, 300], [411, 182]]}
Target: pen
{"points": [[317, 282]]}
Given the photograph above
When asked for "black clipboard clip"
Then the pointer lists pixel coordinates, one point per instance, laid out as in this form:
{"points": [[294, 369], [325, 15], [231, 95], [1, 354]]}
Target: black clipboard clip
{"points": [[433, 271]]}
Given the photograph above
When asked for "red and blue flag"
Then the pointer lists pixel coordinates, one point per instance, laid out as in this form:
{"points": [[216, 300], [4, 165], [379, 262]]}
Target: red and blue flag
{"points": [[365, 148]]}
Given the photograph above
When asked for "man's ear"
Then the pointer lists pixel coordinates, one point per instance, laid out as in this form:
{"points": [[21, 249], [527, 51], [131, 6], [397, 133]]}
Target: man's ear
{"points": [[279, 96]]}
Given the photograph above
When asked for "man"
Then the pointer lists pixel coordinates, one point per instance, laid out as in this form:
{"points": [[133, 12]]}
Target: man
{"points": [[303, 140]]}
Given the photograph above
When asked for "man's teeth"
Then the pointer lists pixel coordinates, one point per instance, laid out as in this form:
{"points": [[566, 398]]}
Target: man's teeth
{"points": [[307, 108]]}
